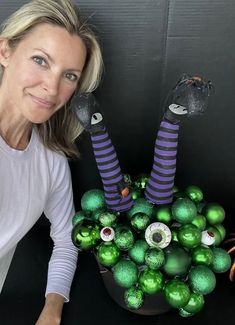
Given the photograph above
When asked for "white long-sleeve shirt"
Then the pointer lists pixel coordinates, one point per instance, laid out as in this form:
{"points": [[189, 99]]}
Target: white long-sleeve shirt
{"points": [[33, 181]]}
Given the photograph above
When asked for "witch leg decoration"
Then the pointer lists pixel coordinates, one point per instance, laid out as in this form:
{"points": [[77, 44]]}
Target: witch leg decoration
{"points": [[189, 97], [117, 195]]}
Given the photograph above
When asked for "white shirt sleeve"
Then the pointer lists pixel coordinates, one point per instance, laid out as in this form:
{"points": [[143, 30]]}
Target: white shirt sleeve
{"points": [[60, 210]]}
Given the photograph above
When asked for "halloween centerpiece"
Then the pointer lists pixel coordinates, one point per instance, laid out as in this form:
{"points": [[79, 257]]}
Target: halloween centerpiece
{"points": [[157, 246]]}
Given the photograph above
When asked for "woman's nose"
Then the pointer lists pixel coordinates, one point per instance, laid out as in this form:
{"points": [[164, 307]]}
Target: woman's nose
{"points": [[51, 84]]}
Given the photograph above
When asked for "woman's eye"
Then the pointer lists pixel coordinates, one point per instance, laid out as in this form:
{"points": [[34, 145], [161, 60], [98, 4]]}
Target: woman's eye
{"points": [[39, 60], [71, 76]]}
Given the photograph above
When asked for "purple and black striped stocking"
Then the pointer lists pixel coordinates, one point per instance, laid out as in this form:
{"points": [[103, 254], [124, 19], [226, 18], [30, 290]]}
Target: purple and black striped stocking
{"points": [[159, 189], [110, 172]]}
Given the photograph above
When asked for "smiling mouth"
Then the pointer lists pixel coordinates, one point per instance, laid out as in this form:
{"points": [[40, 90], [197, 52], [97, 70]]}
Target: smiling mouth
{"points": [[42, 102]]}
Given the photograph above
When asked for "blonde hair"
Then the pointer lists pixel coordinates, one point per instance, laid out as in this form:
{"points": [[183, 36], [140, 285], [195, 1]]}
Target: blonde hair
{"points": [[61, 130]]}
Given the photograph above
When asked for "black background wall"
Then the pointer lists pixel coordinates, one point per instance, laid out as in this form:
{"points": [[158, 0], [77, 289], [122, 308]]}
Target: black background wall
{"points": [[146, 46]]}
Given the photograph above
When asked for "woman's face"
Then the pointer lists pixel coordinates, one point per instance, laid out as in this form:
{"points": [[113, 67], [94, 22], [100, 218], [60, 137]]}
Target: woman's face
{"points": [[42, 72]]}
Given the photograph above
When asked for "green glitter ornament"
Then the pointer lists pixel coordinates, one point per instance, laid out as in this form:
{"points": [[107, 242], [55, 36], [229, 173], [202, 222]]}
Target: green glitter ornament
{"points": [[184, 210], [93, 200], [177, 261], [151, 281], [214, 213], [107, 219], [163, 214], [202, 255], [201, 279], [195, 304], [154, 258], [177, 293], [222, 260], [194, 193], [200, 222], [141, 181], [86, 234], [125, 273], [184, 313], [137, 252], [180, 195], [96, 213], [79, 216], [189, 236], [134, 298], [141, 205], [108, 254], [124, 238], [140, 221]]}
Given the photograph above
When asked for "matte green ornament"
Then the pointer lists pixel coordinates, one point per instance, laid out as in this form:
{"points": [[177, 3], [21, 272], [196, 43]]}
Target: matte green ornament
{"points": [[125, 273], [154, 258], [184, 313], [96, 213], [216, 234], [135, 193], [199, 221], [222, 260], [195, 304], [93, 200], [214, 213], [184, 210], [141, 205], [202, 255], [163, 214], [107, 219], [141, 181], [124, 238], [194, 193], [108, 254], [189, 236], [221, 229], [140, 221], [151, 281], [86, 234], [177, 261], [134, 298], [137, 252], [79, 216], [177, 293], [201, 279]]}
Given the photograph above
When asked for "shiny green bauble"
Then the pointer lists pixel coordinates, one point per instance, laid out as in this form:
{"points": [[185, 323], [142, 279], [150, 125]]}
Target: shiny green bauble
{"points": [[184, 313], [221, 230], [174, 234], [134, 298], [177, 261], [107, 219], [222, 260], [194, 193], [79, 216], [137, 252], [184, 210], [177, 293], [214, 213], [86, 234], [108, 254], [151, 281], [124, 238], [195, 304], [216, 233], [125, 273], [141, 181], [135, 193], [96, 214], [180, 195], [202, 255], [163, 214], [154, 258], [141, 206], [93, 200], [140, 221], [199, 221], [201, 279], [189, 236]]}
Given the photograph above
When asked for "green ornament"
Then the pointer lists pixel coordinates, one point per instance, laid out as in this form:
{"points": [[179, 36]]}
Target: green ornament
{"points": [[221, 230], [199, 221], [195, 304], [96, 213], [108, 254], [154, 258], [163, 214], [174, 234], [202, 255], [137, 252], [141, 205], [93, 200], [194, 193], [201, 279], [175, 189], [86, 234], [177, 293], [184, 210], [177, 261], [184, 313], [140, 221], [107, 219], [216, 234], [189, 236], [200, 206], [135, 193], [141, 181], [125, 273], [124, 238], [134, 298], [79, 216], [214, 213], [222, 260], [180, 195], [151, 281]]}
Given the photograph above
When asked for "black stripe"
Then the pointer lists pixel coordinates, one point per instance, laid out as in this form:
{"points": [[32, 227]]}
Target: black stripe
{"points": [[158, 198], [98, 133], [101, 140], [111, 177], [166, 148], [105, 155], [110, 169], [166, 139], [107, 162], [159, 190], [165, 157], [168, 130], [121, 203], [164, 175], [163, 166], [103, 148], [160, 182]]}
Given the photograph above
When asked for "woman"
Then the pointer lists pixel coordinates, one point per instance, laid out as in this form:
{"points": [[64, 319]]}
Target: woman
{"points": [[47, 54]]}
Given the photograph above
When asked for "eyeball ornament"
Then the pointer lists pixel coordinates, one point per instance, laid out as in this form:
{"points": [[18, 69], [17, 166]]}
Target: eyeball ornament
{"points": [[107, 234], [207, 238], [158, 235]]}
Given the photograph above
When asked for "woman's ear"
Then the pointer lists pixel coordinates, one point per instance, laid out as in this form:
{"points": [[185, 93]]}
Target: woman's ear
{"points": [[5, 52]]}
